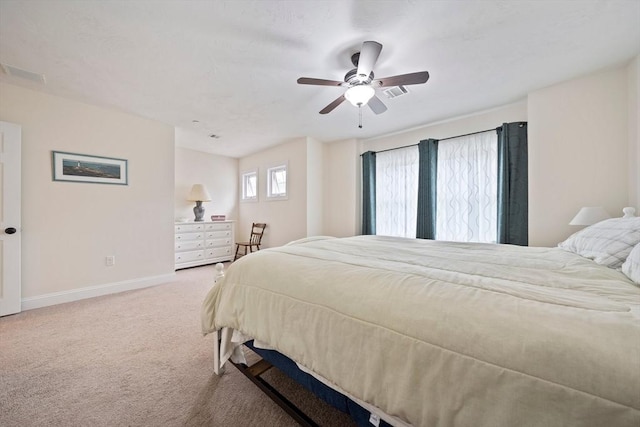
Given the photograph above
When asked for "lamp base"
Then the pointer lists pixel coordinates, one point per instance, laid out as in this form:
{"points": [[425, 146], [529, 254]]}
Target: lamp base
{"points": [[198, 211]]}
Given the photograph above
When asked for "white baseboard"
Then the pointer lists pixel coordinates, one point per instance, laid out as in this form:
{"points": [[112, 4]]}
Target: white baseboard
{"points": [[93, 291]]}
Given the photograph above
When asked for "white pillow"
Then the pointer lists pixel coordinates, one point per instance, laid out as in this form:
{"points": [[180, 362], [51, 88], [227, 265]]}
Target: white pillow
{"points": [[608, 242], [631, 266]]}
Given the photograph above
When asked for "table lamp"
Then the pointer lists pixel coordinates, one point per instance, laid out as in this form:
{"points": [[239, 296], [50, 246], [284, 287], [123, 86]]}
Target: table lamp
{"points": [[199, 194], [590, 215]]}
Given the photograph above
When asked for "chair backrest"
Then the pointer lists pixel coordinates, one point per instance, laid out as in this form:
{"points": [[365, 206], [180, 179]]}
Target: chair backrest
{"points": [[257, 230]]}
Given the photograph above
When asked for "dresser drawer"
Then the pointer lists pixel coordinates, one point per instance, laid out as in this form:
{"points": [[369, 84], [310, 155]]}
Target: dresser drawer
{"points": [[189, 228], [211, 235], [211, 243], [189, 245], [218, 252], [189, 236], [189, 256], [216, 227]]}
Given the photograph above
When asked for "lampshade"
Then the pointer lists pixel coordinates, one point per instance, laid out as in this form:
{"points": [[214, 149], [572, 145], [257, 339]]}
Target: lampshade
{"points": [[589, 216], [199, 194], [359, 95]]}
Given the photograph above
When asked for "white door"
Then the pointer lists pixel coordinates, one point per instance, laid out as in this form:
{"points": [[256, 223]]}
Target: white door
{"points": [[10, 143]]}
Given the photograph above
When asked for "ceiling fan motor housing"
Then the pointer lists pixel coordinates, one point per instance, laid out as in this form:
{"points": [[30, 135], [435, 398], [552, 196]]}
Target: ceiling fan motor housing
{"points": [[352, 78]]}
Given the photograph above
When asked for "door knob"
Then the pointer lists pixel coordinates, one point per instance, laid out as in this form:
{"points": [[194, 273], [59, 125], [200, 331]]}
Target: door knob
{"points": [[10, 230]]}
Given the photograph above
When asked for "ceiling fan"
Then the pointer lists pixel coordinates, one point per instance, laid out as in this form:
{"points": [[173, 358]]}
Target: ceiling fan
{"points": [[360, 81]]}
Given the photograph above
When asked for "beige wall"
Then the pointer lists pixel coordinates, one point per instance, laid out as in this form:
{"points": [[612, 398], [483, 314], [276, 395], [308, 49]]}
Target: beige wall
{"points": [[315, 163], [578, 152], [219, 174], [69, 228], [286, 219], [341, 176], [634, 132]]}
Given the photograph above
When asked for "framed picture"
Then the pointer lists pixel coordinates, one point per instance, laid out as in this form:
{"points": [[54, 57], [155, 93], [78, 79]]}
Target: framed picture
{"points": [[84, 168]]}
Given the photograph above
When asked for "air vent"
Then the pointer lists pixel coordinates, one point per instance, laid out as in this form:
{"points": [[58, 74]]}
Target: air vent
{"points": [[396, 91], [23, 74]]}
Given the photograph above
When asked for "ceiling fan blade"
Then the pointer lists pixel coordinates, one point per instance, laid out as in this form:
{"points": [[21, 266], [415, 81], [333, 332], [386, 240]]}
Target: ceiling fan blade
{"points": [[376, 105], [329, 108], [318, 82], [404, 79], [368, 57]]}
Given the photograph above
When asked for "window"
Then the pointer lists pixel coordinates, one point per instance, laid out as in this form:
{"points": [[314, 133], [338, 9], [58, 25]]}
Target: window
{"points": [[249, 186], [277, 182], [471, 188], [397, 192], [467, 188]]}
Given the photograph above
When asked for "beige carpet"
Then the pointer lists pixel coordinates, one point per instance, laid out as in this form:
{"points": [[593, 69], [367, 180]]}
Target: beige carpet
{"points": [[133, 359]]}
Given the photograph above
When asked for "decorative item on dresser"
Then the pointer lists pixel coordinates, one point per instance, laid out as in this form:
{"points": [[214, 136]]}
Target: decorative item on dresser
{"points": [[199, 194], [204, 242]]}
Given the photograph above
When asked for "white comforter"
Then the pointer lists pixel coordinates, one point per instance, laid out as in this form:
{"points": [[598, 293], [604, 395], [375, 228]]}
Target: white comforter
{"points": [[446, 334]]}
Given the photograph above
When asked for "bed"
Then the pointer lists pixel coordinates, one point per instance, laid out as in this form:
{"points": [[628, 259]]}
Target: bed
{"points": [[429, 333]]}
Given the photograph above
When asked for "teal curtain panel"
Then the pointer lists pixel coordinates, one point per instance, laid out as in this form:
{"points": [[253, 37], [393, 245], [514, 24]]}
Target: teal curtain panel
{"points": [[369, 193], [427, 189], [513, 185]]}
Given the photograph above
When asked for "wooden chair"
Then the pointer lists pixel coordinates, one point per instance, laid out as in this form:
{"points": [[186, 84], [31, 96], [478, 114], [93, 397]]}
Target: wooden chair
{"points": [[257, 230]]}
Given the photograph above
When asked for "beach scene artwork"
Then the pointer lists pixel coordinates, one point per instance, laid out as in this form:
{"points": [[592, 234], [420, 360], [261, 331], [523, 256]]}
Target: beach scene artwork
{"points": [[85, 168], [102, 170]]}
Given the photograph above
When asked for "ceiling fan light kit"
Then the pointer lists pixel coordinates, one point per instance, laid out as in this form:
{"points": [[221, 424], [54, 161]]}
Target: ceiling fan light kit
{"points": [[361, 84], [359, 95]]}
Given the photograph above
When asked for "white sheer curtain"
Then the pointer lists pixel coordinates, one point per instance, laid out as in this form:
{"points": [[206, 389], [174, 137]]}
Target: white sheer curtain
{"points": [[467, 208], [397, 192]]}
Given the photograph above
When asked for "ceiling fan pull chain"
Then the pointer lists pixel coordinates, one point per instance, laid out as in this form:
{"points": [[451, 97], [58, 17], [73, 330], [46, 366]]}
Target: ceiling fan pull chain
{"points": [[360, 116]]}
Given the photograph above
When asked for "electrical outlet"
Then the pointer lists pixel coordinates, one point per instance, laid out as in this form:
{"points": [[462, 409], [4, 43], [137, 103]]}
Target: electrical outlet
{"points": [[110, 261]]}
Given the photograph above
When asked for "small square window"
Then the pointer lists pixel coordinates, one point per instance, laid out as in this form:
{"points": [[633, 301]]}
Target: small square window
{"points": [[277, 182], [249, 186]]}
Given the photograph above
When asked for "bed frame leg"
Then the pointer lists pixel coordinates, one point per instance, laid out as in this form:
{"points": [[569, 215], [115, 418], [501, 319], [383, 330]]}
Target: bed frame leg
{"points": [[217, 368]]}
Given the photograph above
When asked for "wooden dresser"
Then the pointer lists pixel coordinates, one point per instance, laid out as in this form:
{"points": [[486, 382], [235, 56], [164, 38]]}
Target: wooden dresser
{"points": [[200, 243]]}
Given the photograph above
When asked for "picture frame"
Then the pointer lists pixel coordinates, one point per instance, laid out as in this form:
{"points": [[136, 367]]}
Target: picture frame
{"points": [[74, 167]]}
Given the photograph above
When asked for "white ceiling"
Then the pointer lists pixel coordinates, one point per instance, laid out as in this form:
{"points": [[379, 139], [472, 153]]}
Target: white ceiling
{"points": [[233, 65]]}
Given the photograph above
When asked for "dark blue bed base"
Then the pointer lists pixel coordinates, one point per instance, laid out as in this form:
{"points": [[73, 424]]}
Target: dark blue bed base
{"points": [[324, 392]]}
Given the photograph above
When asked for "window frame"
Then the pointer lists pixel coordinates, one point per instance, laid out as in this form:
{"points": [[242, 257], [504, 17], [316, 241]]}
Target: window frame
{"points": [[244, 177], [276, 167]]}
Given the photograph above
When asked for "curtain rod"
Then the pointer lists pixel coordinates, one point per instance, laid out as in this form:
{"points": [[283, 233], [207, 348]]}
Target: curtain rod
{"points": [[443, 139]]}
